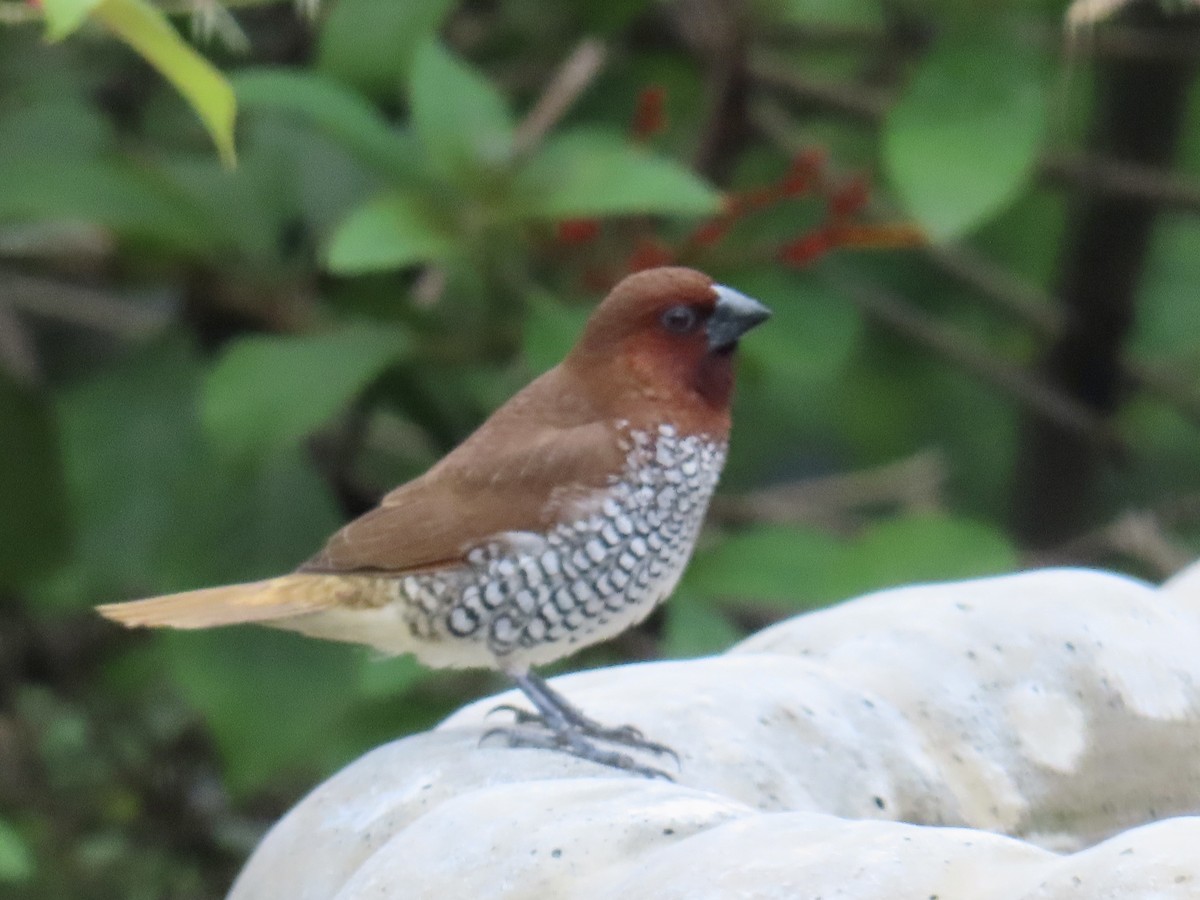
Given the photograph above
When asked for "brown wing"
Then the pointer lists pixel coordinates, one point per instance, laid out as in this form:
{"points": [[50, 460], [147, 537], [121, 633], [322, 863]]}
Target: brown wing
{"points": [[505, 477]]}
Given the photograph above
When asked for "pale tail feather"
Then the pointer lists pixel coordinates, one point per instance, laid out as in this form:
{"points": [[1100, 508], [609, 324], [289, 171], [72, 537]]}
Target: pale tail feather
{"points": [[258, 601]]}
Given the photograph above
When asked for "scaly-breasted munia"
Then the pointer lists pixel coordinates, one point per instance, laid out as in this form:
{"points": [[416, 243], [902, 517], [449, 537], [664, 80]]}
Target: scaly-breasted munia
{"points": [[563, 520]]}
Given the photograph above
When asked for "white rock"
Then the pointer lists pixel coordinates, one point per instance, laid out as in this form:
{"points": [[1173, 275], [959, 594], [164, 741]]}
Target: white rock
{"points": [[1057, 706], [1040, 695]]}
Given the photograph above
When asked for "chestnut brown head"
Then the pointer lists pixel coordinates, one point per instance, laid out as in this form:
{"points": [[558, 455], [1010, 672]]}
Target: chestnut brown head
{"points": [[668, 336]]}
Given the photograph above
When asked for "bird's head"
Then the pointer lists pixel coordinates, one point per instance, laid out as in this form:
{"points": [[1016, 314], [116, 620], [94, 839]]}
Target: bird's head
{"points": [[666, 337]]}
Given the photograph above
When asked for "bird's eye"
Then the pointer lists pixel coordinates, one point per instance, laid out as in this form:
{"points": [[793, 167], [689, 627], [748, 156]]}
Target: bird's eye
{"points": [[680, 319]]}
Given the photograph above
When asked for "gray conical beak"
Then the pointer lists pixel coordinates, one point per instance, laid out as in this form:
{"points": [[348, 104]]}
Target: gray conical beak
{"points": [[734, 316]]}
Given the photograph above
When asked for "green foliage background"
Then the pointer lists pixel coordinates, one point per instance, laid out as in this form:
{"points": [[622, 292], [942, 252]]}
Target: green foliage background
{"points": [[204, 369]]}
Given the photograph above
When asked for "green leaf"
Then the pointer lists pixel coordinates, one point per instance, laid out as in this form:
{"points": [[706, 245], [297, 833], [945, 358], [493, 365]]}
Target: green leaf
{"points": [[74, 129], [65, 16], [154, 509], [927, 547], [339, 114], [265, 519], [793, 370], [370, 44], [462, 121], [390, 676], [16, 859], [772, 563], [268, 392], [551, 329], [696, 628], [131, 445], [33, 514], [146, 30], [961, 143], [826, 13], [804, 568], [813, 332], [271, 699], [114, 194], [597, 173], [387, 232]]}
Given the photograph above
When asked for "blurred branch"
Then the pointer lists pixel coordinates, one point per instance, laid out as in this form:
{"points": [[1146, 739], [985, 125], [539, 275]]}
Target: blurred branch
{"points": [[1037, 396], [567, 83], [1177, 392], [716, 32], [1107, 176], [78, 305], [911, 484], [1137, 120], [876, 301], [1038, 310], [1142, 535], [1015, 297], [17, 354], [901, 317], [67, 248], [860, 103], [1081, 13], [1113, 40], [1087, 174], [997, 286], [429, 287], [212, 21], [1130, 42], [18, 13], [824, 36]]}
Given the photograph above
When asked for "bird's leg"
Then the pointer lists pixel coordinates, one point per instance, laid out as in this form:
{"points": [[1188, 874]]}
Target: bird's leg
{"points": [[552, 705], [572, 731]]}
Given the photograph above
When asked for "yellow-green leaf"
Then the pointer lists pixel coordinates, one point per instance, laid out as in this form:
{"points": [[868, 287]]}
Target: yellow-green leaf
{"points": [[387, 232], [148, 32], [65, 16], [588, 172]]}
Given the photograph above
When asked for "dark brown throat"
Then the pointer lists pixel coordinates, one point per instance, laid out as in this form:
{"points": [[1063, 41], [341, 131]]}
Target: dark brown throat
{"points": [[714, 377]]}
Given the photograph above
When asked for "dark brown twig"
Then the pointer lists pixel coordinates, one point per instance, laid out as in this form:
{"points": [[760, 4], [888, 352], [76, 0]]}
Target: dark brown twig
{"points": [[78, 305], [1016, 298], [860, 103], [1037, 396], [17, 354], [1139, 116], [566, 85], [716, 32], [1038, 310], [1142, 535], [1105, 176], [1013, 296], [830, 502]]}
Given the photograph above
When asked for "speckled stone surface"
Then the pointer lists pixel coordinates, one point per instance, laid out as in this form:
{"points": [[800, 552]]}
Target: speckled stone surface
{"points": [[1052, 717]]}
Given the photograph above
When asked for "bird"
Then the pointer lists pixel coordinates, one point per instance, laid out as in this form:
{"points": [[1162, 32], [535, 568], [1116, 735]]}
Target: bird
{"points": [[563, 520]]}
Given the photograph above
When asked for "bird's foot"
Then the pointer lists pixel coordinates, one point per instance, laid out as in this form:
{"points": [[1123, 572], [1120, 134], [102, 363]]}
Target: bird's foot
{"points": [[559, 725], [573, 742], [576, 722]]}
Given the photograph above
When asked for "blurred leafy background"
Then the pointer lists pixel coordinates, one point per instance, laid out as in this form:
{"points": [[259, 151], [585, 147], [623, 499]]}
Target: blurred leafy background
{"points": [[976, 223]]}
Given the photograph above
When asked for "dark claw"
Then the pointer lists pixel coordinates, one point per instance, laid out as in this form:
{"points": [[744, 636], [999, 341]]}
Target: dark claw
{"points": [[576, 744], [522, 716], [628, 736]]}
